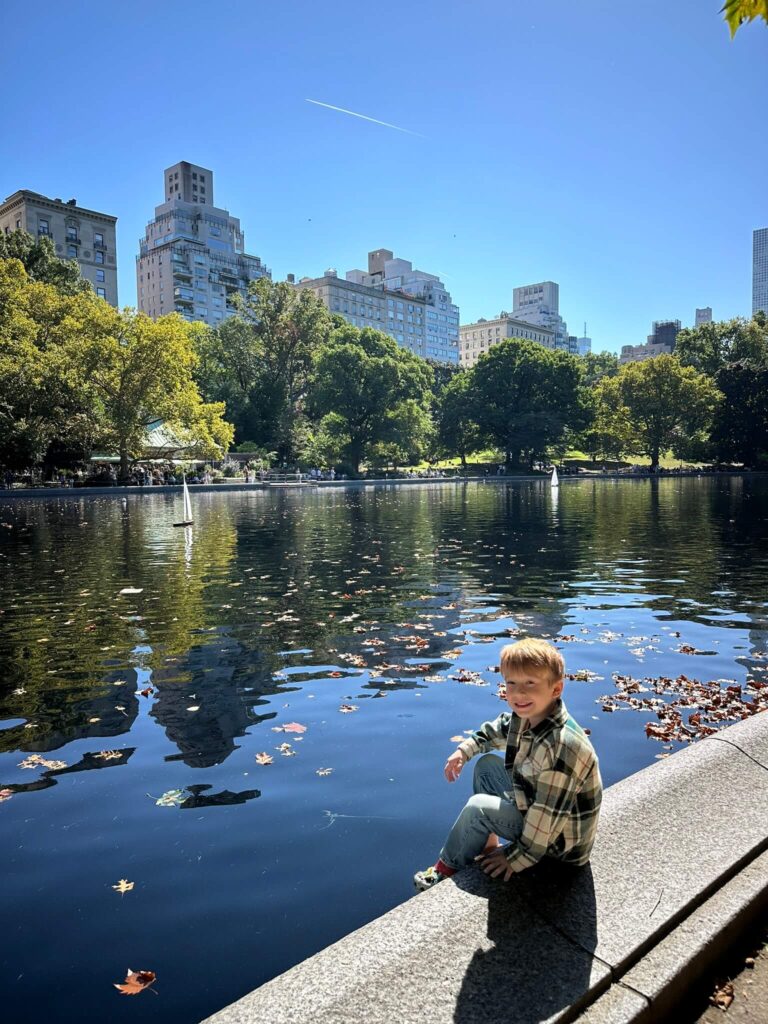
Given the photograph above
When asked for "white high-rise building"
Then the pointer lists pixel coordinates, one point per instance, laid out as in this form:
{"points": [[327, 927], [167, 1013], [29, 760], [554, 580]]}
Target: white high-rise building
{"points": [[703, 316], [192, 259], [540, 304], [760, 270], [412, 306]]}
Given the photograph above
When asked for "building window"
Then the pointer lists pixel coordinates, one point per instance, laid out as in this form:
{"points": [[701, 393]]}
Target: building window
{"points": [[101, 292], [98, 238], [99, 275], [71, 233], [202, 177], [18, 225], [42, 227], [194, 175], [99, 257], [72, 251]]}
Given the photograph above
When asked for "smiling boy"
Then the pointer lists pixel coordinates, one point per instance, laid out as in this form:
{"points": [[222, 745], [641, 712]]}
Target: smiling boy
{"points": [[543, 797]]}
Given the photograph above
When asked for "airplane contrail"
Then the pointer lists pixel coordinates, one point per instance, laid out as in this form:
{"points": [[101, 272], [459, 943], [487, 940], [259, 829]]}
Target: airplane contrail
{"points": [[365, 117]]}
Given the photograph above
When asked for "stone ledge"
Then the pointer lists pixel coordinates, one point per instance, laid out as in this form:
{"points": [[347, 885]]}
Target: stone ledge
{"points": [[677, 842]]}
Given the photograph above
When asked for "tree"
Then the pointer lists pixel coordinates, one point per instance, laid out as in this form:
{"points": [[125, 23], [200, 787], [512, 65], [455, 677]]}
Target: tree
{"points": [[259, 362], [668, 406], [365, 380], [740, 427], [140, 370], [528, 398], [45, 412], [456, 418], [39, 259], [737, 12], [609, 435], [598, 365], [710, 347]]}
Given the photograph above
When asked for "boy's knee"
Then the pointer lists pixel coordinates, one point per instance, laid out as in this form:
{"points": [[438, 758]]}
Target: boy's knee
{"points": [[486, 763]]}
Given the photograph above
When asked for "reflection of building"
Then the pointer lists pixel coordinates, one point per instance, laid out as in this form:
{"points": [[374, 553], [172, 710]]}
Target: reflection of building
{"points": [[414, 307], [539, 304], [77, 234], [192, 259], [760, 270], [703, 316], [476, 339], [661, 342]]}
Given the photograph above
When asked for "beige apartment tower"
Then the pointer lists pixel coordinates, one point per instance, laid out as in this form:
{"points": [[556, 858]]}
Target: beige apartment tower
{"points": [[77, 234]]}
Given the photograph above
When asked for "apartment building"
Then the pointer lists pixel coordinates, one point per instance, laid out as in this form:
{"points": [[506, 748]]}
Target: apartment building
{"points": [[76, 232], [478, 338]]}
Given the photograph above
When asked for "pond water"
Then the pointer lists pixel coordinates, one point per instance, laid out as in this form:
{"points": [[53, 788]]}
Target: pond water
{"points": [[138, 660]]}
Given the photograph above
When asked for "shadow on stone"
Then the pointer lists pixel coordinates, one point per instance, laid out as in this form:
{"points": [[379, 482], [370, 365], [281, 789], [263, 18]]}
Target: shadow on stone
{"points": [[528, 971]]}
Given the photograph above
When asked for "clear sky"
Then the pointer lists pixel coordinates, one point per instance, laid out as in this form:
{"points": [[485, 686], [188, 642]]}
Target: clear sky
{"points": [[617, 148]]}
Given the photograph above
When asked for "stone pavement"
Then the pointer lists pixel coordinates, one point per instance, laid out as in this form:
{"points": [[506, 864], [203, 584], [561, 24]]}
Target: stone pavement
{"points": [[749, 987], [678, 872]]}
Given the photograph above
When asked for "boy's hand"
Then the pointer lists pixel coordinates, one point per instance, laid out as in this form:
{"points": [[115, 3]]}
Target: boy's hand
{"points": [[453, 766], [496, 864]]}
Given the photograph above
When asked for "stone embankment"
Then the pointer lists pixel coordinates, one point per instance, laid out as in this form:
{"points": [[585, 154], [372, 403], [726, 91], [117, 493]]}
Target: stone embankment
{"points": [[679, 870]]}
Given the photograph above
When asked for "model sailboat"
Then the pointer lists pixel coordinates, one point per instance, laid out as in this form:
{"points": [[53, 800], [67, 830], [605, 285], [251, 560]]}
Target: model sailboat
{"points": [[553, 480], [187, 520]]}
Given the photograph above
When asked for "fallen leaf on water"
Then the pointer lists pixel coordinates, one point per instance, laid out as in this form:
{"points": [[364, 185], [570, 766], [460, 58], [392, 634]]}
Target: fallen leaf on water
{"points": [[335, 675], [347, 709], [147, 692], [286, 750], [132, 590], [36, 760], [323, 771], [109, 755], [194, 707], [123, 886], [172, 798], [263, 758], [5, 794], [457, 739], [92, 721], [135, 982], [294, 727]]}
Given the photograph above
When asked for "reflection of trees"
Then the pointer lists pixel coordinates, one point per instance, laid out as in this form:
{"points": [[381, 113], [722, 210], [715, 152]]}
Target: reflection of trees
{"points": [[207, 631]]}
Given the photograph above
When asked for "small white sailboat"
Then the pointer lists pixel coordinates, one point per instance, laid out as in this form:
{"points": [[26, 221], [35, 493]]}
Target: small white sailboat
{"points": [[187, 520], [553, 480]]}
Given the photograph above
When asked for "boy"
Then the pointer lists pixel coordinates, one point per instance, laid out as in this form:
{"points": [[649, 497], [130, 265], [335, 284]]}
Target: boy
{"points": [[544, 797]]}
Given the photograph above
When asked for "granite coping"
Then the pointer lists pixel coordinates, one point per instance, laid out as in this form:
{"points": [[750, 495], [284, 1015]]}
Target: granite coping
{"points": [[555, 942]]}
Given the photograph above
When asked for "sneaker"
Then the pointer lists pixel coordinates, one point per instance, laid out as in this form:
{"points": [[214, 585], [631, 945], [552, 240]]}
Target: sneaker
{"points": [[427, 878]]}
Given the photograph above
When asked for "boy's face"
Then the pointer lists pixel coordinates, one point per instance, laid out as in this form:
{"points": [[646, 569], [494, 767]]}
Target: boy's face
{"points": [[531, 692]]}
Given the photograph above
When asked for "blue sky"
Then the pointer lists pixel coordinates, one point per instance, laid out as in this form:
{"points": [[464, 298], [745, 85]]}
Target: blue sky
{"points": [[617, 148]]}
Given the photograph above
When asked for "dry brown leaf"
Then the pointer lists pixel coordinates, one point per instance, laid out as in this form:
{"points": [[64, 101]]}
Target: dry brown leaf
{"points": [[294, 727], [136, 982], [263, 758], [347, 709], [722, 997]]}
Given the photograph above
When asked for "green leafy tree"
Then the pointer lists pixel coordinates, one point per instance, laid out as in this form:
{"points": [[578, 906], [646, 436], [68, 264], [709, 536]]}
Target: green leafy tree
{"points": [[598, 365], [710, 347], [407, 435], [528, 398], [609, 435], [365, 380], [456, 418], [740, 428], [259, 362], [669, 406], [139, 370], [737, 12], [39, 259], [46, 415]]}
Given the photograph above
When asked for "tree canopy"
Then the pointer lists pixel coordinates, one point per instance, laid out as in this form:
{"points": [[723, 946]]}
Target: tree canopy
{"points": [[39, 259]]}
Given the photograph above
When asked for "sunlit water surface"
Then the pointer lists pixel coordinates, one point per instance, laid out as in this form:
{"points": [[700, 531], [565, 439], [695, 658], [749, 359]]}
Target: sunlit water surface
{"points": [[281, 607]]}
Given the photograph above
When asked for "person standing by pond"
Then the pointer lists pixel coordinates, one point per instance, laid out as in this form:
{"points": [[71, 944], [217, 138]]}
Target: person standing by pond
{"points": [[543, 797]]}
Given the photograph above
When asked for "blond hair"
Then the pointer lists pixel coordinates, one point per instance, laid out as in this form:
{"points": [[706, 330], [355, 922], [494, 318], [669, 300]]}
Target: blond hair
{"points": [[532, 653]]}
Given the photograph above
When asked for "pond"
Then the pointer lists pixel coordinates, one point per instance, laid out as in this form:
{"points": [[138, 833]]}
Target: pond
{"points": [[142, 663]]}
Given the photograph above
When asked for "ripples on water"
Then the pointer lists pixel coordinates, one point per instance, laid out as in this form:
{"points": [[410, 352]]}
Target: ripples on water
{"points": [[280, 607]]}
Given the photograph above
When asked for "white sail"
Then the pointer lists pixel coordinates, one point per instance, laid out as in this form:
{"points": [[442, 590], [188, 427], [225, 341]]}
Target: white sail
{"points": [[187, 503], [554, 481]]}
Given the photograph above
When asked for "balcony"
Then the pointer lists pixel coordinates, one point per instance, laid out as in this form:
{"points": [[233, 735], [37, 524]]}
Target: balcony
{"points": [[182, 272]]}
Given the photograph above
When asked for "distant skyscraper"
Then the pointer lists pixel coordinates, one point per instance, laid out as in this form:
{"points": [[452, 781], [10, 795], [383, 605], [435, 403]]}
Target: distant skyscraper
{"points": [[760, 270], [539, 304], [192, 259], [77, 234], [703, 316], [660, 343]]}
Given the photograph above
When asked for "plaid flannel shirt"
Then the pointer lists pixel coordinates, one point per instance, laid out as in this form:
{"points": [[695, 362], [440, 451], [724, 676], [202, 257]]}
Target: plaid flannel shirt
{"points": [[555, 783]]}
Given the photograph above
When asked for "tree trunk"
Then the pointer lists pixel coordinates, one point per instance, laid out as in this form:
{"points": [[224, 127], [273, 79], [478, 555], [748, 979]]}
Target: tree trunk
{"points": [[123, 463], [655, 460]]}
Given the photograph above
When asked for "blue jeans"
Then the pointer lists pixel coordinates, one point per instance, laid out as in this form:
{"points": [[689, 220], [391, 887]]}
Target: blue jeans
{"points": [[488, 811]]}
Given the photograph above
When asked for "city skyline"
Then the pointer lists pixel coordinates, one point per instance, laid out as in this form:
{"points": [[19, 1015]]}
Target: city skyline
{"points": [[608, 174]]}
